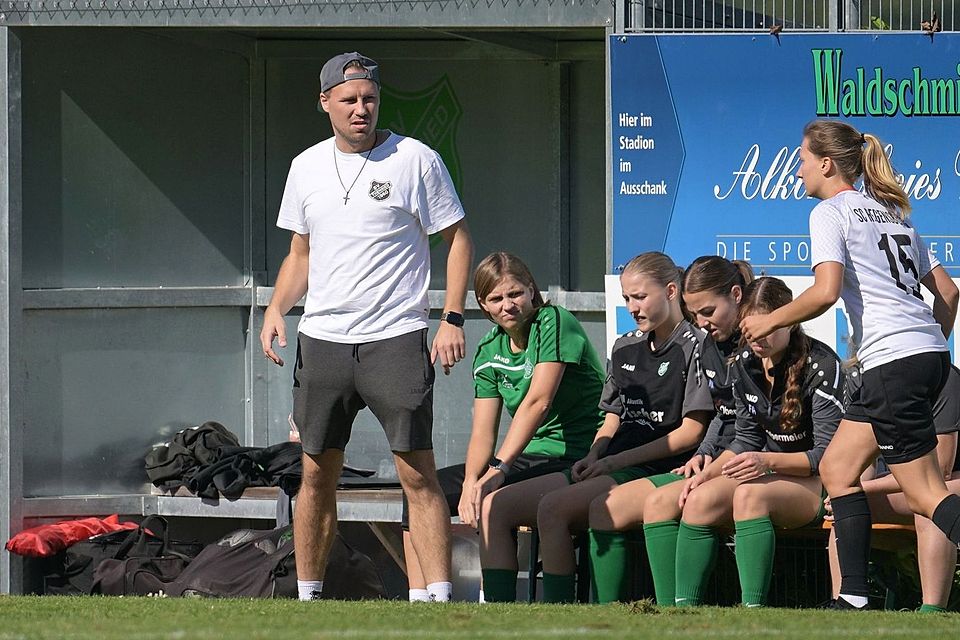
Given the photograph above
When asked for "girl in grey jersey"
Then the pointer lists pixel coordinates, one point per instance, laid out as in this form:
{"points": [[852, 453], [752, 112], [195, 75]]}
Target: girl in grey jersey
{"points": [[712, 289], [864, 249]]}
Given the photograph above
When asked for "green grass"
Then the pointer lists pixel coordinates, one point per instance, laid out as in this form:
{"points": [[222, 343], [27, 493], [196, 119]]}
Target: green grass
{"points": [[175, 619]]}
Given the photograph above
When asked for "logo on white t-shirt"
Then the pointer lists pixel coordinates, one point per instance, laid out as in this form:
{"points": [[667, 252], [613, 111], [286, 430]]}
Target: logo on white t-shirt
{"points": [[379, 190]]}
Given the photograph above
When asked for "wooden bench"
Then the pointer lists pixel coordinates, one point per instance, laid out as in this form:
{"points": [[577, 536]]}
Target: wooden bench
{"points": [[353, 505]]}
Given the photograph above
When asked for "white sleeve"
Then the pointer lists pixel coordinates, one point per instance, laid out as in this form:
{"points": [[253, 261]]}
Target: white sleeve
{"points": [[927, 261], [934, 260], [291, 206], [439, 206], [827, 236]]}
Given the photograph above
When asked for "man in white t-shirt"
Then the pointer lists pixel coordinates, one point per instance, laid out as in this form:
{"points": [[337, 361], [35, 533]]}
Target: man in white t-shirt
{"points": [[361, 206]]}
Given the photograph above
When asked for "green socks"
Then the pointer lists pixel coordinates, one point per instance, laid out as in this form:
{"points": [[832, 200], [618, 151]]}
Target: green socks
{"points": [[557, 588], [696, 555], [755, 544], [931, 608], [499, 585], [661, 541], [611, 564]]}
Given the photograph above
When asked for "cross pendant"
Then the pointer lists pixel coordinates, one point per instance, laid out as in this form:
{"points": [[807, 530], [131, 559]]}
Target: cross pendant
{"points": [[346, 197]]}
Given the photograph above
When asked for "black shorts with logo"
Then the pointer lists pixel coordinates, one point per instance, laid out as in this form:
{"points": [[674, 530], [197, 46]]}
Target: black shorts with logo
{"points": [[897, 399], [332, 382]]}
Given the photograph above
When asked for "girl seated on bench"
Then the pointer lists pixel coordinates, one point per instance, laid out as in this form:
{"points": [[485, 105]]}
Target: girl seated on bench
{"points": [[788, 394], [538, 362]]}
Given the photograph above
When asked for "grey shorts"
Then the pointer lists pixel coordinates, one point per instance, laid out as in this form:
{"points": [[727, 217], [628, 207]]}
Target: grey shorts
{"points": [[332, 382]]}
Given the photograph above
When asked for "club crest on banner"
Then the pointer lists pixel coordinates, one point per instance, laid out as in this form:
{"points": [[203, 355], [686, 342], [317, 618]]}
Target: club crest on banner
{"points": [[432, 116]]}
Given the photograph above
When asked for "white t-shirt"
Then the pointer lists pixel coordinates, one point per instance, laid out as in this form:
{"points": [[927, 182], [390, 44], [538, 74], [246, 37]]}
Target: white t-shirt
{"points": [[884, 260], [369, 257]]}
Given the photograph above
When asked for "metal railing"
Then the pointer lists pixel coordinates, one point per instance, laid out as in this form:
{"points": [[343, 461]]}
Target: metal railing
{"points": [[901, 15], [797, 15]]}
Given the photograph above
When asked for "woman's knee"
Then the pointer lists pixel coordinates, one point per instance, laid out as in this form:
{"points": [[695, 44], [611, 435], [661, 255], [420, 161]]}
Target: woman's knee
{"points": [[553, 512], [703, 507], [838, 475], [509, 506], [661, 505], [751, 501], [600, 512]]}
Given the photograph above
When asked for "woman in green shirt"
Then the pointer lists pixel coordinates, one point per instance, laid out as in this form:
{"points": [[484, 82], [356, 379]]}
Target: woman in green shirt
{"points": [[539, 364]]}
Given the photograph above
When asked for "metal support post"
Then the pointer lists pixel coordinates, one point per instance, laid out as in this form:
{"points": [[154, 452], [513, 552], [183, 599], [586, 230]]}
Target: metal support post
{"points": [[11, 374]]}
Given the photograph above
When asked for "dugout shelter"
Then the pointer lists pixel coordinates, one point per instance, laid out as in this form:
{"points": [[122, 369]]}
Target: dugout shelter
{"points": [[143, 151]]}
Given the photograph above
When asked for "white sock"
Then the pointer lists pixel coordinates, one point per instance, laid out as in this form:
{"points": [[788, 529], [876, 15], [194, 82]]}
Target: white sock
{"points": [[419, 595], [309, 589], [481, 599], [858, 601], [440, 591]]}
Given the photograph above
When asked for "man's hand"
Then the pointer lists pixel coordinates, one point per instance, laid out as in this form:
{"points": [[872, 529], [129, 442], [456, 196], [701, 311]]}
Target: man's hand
{"points": [[273, 327], [449, 346]]}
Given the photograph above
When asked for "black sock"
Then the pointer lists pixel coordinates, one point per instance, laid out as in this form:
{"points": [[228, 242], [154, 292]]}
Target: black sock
{"points": [[851, 523], [947, 517]]}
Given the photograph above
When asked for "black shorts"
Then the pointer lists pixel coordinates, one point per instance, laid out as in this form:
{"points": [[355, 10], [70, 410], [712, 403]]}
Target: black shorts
{"points": [[897, 399], [523, 468], [332, 382]]}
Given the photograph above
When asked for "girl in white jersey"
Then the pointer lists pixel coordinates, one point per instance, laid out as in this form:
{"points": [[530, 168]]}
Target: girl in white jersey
{"points": [[865, 250]]}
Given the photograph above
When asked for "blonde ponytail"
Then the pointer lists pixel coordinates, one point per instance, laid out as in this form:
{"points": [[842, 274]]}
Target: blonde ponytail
{"points": [[879, 180]]}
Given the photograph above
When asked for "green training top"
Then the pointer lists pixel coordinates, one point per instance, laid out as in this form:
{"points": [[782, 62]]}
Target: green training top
{"points": [[570, 425]]}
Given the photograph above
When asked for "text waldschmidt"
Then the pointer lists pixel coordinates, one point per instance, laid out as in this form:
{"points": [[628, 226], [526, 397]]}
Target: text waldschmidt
{"points": [[880, 95]]}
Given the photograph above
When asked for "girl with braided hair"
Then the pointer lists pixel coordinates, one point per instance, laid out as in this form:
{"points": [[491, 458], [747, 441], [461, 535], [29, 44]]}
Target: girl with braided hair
{"points": [[788, 390]]}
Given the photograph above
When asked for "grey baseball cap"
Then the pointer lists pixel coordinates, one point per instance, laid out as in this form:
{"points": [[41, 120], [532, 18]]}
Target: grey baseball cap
{"points": [[333, 73]]}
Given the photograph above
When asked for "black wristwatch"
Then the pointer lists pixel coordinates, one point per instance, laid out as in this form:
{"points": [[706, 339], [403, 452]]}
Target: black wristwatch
{"points": [[499, 465], [454, 318]]}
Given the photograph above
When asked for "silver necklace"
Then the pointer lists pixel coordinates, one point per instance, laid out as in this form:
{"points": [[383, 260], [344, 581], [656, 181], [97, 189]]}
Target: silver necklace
{"points": [[346, 194]]}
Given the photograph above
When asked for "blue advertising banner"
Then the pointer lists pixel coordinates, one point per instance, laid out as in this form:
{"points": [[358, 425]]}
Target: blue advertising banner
{"points": [[706, 131], [705, 138]]}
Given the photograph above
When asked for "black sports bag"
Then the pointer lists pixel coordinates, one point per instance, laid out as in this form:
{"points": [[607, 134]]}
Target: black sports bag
{"points": [[150, 540], [260, 564]]}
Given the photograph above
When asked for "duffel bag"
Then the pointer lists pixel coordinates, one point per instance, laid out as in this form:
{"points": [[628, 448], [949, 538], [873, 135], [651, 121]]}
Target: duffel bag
{"points": [[79, 561]]}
